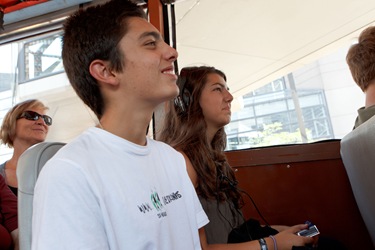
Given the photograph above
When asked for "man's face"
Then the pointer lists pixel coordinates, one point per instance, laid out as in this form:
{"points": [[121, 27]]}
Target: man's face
{"points": [[148, 73]]}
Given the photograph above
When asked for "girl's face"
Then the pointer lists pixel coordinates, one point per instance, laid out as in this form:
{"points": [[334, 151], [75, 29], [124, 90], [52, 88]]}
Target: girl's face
{"points": [[215, 101]]}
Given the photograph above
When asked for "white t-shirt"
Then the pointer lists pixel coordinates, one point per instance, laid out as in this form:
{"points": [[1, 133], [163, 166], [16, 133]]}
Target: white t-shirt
{"points": [[103, 192]]}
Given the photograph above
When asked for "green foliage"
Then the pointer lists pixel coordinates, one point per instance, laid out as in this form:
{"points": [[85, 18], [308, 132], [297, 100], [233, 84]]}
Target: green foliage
{"points": [[273, 134]]}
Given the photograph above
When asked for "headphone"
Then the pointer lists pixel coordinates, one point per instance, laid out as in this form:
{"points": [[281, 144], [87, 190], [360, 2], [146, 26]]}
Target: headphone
{"points": [[223, 177], [184, 98]]}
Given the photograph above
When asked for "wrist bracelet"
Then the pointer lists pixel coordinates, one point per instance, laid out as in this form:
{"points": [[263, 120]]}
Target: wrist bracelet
{"points": [[274, 242], [263, 244]]}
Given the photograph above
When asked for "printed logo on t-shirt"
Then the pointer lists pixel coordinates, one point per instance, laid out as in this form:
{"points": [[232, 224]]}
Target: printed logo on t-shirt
{"points": [[156, 201], [159, 204]]}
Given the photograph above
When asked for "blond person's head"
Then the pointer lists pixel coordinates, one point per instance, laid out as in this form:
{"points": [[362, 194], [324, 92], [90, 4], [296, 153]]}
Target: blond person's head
{"points": [[8, 129], [361, 59]]}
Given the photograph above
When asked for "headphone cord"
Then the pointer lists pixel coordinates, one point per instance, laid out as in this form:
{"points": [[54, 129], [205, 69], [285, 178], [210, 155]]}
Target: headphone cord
{"points": [[230, 205], [255, 206], [233, 184]]}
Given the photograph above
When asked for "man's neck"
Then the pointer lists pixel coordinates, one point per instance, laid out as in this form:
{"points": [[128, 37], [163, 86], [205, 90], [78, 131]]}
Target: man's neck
{"points": [[132, 129], [370, 95]]}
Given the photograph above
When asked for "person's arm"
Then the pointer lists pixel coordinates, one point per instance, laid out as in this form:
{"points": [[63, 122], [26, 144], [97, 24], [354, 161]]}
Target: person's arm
{"points": [[8, 208], [280, 228], [14, 235], [284, 240]]}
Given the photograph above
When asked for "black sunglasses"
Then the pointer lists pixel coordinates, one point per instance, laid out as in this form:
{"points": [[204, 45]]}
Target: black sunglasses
{"points": [[34, 116]]}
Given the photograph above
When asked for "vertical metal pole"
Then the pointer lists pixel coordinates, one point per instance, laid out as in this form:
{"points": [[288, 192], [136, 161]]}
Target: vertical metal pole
{"points": [[297, 107], [155, 11]]}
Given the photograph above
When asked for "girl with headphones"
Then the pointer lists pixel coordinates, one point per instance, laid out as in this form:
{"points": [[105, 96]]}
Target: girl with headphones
{"points": [[194, 125]]}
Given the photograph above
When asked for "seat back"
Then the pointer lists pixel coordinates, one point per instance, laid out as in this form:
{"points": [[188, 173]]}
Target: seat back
{"points": [[358, 155], [29, 166]]}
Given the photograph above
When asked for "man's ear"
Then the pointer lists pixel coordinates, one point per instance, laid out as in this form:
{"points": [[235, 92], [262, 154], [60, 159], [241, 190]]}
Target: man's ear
{"points": [[101, 71]]}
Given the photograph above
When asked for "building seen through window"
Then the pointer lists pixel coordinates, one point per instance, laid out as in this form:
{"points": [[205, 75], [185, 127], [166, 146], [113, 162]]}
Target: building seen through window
{"points": [[277, 114], [41, 57], [316, 102]]}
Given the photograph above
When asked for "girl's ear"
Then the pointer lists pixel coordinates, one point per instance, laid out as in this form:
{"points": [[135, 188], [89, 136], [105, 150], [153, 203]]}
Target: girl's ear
{"points": [[101, 71]]}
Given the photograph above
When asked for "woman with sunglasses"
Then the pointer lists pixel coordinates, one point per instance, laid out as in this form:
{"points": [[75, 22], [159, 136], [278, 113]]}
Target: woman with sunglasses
{"points": [[23, 126]]}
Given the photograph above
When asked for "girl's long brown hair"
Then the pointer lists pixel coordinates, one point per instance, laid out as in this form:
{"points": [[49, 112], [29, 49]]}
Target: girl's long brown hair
{"points": [[185, 130]]}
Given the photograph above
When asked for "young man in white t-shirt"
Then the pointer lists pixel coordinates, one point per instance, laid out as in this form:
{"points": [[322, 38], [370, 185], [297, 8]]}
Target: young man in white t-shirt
{"points": [[111, 187]]}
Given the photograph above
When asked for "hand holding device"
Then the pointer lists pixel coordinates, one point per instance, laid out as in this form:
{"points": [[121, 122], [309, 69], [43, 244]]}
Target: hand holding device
{"points": [[311, 231]]}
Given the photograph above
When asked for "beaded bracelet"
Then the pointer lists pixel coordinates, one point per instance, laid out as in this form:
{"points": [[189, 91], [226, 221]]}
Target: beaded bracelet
{"points": [[263, 244], [274, 242]]}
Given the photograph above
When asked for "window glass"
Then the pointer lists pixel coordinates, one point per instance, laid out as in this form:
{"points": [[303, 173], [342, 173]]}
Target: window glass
{"points": [[300, 107], [41, 57], [316, 102]]}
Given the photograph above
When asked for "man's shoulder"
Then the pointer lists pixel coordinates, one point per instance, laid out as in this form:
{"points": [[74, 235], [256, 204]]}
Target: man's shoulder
{"points": [[87, 137], [78, 149], [160, 144]]}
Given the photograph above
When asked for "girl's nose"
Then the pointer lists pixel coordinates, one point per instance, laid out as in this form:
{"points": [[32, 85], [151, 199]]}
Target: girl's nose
{"points": [[229, 97]]}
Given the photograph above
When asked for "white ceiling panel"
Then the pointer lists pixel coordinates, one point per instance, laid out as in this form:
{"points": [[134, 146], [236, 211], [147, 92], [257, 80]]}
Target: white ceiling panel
{"points": [[256, 41]]}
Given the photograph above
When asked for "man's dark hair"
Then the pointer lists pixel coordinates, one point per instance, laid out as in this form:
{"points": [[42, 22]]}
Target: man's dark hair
{"points": [[91, 34]]}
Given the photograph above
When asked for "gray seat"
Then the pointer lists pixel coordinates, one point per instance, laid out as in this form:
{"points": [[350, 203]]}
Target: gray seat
{"points": [[358, 155], [29, 165]]}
